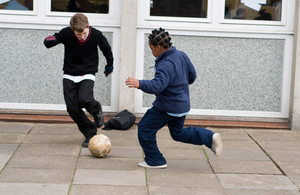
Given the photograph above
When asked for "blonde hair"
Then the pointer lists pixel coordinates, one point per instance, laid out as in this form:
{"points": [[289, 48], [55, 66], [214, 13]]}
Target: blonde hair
{"points": [[79, 22]]}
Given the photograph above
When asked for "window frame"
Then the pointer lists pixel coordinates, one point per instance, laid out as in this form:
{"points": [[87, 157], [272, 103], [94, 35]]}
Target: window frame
{"points": [[286, 74], [43, 18], [215, 20], [21, 12], [257, 22], [217, 26], [147, 17]]}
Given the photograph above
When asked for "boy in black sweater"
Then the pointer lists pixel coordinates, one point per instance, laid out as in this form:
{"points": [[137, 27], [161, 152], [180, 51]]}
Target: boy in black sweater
{"points": [[80, 67]]}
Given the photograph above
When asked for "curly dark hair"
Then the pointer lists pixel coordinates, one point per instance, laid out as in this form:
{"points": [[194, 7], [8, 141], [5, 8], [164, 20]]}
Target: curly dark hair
{"points": [[160, 37]]}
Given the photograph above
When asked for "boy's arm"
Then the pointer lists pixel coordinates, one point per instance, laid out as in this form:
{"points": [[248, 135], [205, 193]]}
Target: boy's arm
{"points": [[144, 85], [192, 73], [106, 50], [50, 41], [160, 81], [57, 38]]}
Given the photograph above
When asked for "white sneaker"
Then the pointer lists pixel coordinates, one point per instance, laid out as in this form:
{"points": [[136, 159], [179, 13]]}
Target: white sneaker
{"points": [[217, 145], [144, 164]]}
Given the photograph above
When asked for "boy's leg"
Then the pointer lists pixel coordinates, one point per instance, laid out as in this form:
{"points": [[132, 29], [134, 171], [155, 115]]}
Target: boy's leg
{"points": [[87, 101], [71, 95], [152, 121], [192, 135]]}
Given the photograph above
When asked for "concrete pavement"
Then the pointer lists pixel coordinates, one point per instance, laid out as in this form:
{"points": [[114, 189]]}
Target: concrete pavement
{"points": [[47, 159]]}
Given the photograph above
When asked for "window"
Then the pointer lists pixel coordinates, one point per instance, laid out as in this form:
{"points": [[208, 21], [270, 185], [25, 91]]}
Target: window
{"points": [[85, 6], [253, 9], [221, 15], [52, 12], [24, 5], [179, 8]]}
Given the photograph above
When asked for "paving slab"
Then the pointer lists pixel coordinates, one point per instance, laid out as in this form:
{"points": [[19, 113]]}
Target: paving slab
{"points": [[122, 138], [183, 153], [49, 149], [18, 128], [164, 179], [163, 133], [8, 148], [28, 175], [240, 145], [158, 190], [287, 156], [12, 138], [34, 189], [54, 139], [43, 162], [260, 192], [4, 158], [119, 151], [126, 152], [108, 163], [230, 154], [290, 167], [247, 167], [274, 135], [170, 143], [295, 179], [258, 182], [232, 134], [109, 177], [49, 158], [55, 129], [186, 166], [107, 190], [280, 146]]}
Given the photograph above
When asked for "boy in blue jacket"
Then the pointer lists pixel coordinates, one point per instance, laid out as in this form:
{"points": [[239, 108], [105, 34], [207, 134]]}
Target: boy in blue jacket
{"points": [[173, 74]]}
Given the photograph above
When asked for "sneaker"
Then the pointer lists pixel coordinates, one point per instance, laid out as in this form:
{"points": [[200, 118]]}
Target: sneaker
{"points": [[99, 119], [217, 146], [144, 164]]}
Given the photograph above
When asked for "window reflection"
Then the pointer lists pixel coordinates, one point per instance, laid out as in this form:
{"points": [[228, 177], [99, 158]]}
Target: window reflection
{"points": [[86, 6], [253, 9], [16, 5], [179, 8]]}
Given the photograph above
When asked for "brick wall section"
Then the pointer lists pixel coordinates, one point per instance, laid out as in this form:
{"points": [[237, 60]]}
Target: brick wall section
{"points": [[188, 122]]}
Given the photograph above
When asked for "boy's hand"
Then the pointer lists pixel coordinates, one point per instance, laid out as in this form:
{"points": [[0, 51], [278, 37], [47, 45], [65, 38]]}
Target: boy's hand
{"points": [[108, 70], [51, 39], [132, 82]]}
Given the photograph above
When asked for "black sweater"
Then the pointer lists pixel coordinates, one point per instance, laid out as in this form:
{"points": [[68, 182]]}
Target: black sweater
{"points": [[82, 58]]}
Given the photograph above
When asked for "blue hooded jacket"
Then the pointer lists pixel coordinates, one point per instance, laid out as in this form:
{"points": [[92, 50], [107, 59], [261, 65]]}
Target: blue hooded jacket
{"points": [[173, 74]]}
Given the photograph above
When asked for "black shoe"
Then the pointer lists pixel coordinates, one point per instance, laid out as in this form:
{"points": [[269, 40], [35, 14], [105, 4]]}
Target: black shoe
{"points": [[85, 144], [99, 119]]}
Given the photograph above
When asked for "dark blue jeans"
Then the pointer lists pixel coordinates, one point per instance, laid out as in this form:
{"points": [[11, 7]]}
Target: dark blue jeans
{"points": [[154, 120]]}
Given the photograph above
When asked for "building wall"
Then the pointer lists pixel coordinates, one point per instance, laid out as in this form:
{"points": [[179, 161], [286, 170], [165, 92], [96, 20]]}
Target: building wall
{"points": [[233, 73], [241, 72], [295, 95], [32, 74]]}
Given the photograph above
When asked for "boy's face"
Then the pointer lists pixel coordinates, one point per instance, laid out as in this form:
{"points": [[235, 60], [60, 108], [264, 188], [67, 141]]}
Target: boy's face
{"points": [[81, 36], [155, 50]]}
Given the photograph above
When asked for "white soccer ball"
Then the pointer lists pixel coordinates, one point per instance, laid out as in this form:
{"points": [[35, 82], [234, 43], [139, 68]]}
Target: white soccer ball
{"points": [[100, 145]]}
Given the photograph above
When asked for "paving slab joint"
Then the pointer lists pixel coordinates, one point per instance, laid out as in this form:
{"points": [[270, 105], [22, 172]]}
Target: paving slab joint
{"points": [[280, 169], [146, 178]]}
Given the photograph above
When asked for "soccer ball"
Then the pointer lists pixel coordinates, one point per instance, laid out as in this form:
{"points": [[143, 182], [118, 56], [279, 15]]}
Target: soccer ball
{"points": [[100, 145]]}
